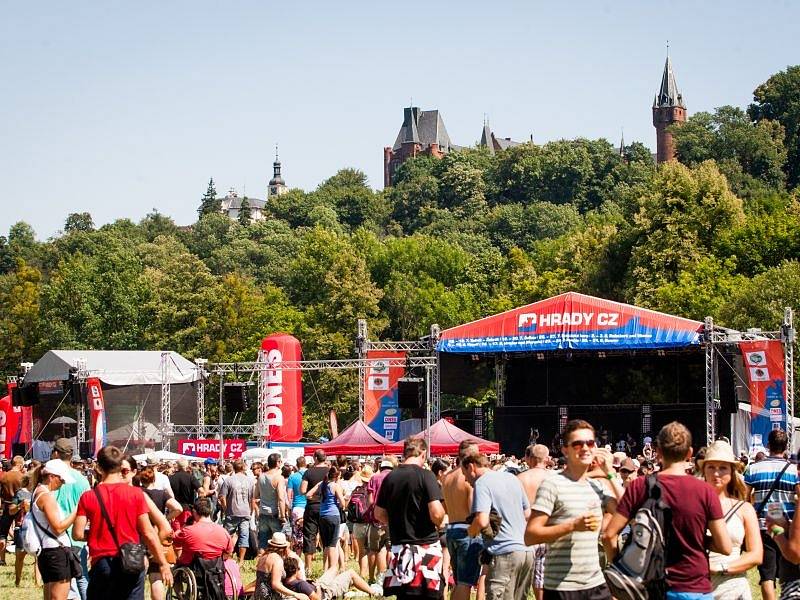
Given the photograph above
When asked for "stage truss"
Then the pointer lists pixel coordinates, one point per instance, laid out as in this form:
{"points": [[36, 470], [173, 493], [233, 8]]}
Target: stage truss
{"points": [[419, 354]]}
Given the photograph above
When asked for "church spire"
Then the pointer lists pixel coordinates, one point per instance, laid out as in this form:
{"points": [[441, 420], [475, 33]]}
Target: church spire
{"points": [[277, 185], [668, 94]]}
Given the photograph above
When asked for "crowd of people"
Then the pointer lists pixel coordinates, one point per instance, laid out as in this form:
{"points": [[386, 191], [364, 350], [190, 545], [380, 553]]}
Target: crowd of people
{"points": [[416, 527]]}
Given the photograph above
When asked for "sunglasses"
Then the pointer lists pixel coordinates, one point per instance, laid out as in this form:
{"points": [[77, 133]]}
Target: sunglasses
{"points": [[578, 444]]}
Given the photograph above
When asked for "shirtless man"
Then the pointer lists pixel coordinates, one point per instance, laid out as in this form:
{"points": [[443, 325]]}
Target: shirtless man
{"points": [[464, 550], [537, 457]]}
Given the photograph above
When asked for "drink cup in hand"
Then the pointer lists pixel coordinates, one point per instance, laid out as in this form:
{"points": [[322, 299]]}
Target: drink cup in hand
{"points": [[775, 511]]}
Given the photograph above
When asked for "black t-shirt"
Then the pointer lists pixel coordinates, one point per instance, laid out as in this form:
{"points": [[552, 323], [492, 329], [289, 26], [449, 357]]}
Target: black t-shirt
{"points": [[313, 476], [159, 498], [405, 494], [301, 587], [184, 487]]}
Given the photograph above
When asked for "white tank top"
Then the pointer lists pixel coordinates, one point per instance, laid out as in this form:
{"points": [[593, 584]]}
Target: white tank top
{"points": [[42, 522]]}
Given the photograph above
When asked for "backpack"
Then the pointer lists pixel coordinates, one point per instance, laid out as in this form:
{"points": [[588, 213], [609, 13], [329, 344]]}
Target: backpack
{"points": [[357, 507], [31, 542], [639, 569]]}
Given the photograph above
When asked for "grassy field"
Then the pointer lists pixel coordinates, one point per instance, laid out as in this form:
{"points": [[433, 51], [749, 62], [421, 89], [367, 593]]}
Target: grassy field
{"points": [[28, 591]]}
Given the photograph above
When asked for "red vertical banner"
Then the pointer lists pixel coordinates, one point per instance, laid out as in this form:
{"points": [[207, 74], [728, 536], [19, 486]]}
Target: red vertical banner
{"points": [[381, 410], [10, 424], [765, 374], [97, 413], [282, 399]]}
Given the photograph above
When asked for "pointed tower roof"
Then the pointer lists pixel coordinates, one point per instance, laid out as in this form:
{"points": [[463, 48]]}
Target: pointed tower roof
{"points": [[277, 179], [668, 94], [486, 138]]}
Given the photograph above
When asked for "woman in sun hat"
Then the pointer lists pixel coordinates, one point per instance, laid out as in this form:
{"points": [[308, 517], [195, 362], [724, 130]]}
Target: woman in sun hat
{"points": [[55, 559], [720, 468], [269, 572]]}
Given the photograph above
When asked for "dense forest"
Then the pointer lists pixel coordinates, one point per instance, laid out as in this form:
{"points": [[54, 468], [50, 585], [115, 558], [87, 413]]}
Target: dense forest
{"points": [[716, 233]]}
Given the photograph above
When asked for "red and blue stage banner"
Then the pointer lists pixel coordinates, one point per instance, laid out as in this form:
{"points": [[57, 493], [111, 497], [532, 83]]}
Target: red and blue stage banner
{"points": [[97, 413], [11, 422], [381, 411], [572, 321], [765, 374], [284, 389]]}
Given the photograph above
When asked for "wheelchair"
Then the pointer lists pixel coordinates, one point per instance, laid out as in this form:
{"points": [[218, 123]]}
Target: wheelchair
{"points": [[203, 579]]}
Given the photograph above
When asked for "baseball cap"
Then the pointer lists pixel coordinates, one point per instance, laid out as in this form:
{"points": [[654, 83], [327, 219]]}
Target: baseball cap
{"points": [[57, 467], [210, 461], [63, 444]]}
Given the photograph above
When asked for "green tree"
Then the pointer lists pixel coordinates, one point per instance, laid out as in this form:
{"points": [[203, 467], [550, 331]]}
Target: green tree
{"points": [[209, 203], [760, 301], [78, 222], [245, 214], [6, 258], [20, 323], [349, 194], [681, 217], [728, 136], [778, 99]]}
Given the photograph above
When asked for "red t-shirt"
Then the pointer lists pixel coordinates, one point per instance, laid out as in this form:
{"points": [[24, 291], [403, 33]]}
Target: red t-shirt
{"points": [[209, 540], [694, 503], [124, 504]]}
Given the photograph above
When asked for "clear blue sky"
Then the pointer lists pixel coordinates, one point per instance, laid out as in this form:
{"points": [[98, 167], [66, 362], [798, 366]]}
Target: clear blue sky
{"points": [[117, 108]]}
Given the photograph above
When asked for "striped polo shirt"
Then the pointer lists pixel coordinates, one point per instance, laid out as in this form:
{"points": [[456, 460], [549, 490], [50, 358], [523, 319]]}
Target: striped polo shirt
{"points": [[573, 560], [761, 474]]}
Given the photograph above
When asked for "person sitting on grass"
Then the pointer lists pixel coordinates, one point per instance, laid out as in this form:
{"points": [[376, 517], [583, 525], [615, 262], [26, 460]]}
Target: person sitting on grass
{"points": [[331, 584], [269, 572]]}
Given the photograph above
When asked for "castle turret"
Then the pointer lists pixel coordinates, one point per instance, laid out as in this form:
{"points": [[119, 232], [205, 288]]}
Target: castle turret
{"points": [[668, 108]]}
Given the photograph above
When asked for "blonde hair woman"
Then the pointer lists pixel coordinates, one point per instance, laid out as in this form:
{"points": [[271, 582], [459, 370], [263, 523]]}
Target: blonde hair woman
{"points": [[719, 468]]}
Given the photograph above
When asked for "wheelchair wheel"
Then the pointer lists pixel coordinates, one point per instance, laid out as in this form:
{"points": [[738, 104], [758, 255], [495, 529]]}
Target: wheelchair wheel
{"points": [[184, 586]]}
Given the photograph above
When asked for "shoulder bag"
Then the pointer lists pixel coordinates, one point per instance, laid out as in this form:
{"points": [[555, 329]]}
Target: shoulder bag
{"points": [[131, 555], [73, 561]]}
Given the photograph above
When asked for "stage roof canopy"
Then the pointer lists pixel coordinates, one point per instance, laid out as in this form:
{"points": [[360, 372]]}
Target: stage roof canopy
{"points": [[114, 367], [572, 321]]}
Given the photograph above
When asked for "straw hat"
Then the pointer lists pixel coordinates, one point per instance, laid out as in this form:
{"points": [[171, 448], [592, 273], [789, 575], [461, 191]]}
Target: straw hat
{"points": [[365, 473], [278, 540], [720, 451]]}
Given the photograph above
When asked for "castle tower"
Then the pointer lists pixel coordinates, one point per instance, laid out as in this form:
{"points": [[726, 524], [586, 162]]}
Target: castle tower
{"points": [[668, 108], [277, 185]]}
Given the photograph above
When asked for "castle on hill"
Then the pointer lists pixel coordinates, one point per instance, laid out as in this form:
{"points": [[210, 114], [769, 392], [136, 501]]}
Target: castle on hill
{"points": [[423, 131], [232, 204]]}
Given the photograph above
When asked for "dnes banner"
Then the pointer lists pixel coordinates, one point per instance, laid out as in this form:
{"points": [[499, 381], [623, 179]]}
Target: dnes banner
{"points": [[283, 390], [10, 424]]}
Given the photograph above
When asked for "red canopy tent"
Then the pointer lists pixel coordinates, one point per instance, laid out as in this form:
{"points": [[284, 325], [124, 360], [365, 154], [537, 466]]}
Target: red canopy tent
{"points": [[358, 438], [445, 438]]}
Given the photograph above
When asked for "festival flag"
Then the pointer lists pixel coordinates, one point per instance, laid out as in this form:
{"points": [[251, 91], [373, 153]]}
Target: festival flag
{"points": [[97, 412], [766, 384], [381, 411]]}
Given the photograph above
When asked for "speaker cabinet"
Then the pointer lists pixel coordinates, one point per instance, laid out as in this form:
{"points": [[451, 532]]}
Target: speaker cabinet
{"points": [[411, 393], [236, 396]]}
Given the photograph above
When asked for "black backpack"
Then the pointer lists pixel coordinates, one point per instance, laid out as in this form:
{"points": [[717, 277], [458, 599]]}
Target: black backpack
{"points": [[357, 507], [640, 569]]}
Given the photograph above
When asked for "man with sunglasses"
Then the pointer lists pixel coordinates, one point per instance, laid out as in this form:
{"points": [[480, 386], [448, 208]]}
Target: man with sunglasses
{"points": [[567, 515]]}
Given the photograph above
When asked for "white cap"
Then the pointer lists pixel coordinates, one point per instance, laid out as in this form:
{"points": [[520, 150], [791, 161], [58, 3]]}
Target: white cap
{"points": [[58, 467], [386, 464]]}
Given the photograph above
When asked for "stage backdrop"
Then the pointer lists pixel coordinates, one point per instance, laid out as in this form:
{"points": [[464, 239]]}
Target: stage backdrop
{"points": [[381, 411], [766, 381]]}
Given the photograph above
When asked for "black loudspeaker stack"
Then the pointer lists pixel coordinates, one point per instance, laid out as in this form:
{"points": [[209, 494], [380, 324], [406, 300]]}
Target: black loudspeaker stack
{"points": [[85, 450], [236, 396], [411, 393], [27, 395], [18, 449]]}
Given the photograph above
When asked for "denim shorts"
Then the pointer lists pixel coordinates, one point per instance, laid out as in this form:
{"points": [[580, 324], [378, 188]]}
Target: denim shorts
{"points": [[240, 526], [464, 555]]}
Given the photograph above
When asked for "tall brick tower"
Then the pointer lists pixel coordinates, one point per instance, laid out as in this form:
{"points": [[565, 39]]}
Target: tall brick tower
{"points": [[668, 108]]}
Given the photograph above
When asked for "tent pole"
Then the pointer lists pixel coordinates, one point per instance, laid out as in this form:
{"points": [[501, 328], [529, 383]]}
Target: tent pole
{"points": [[428, 406], [708, 334], [221, 434]]}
